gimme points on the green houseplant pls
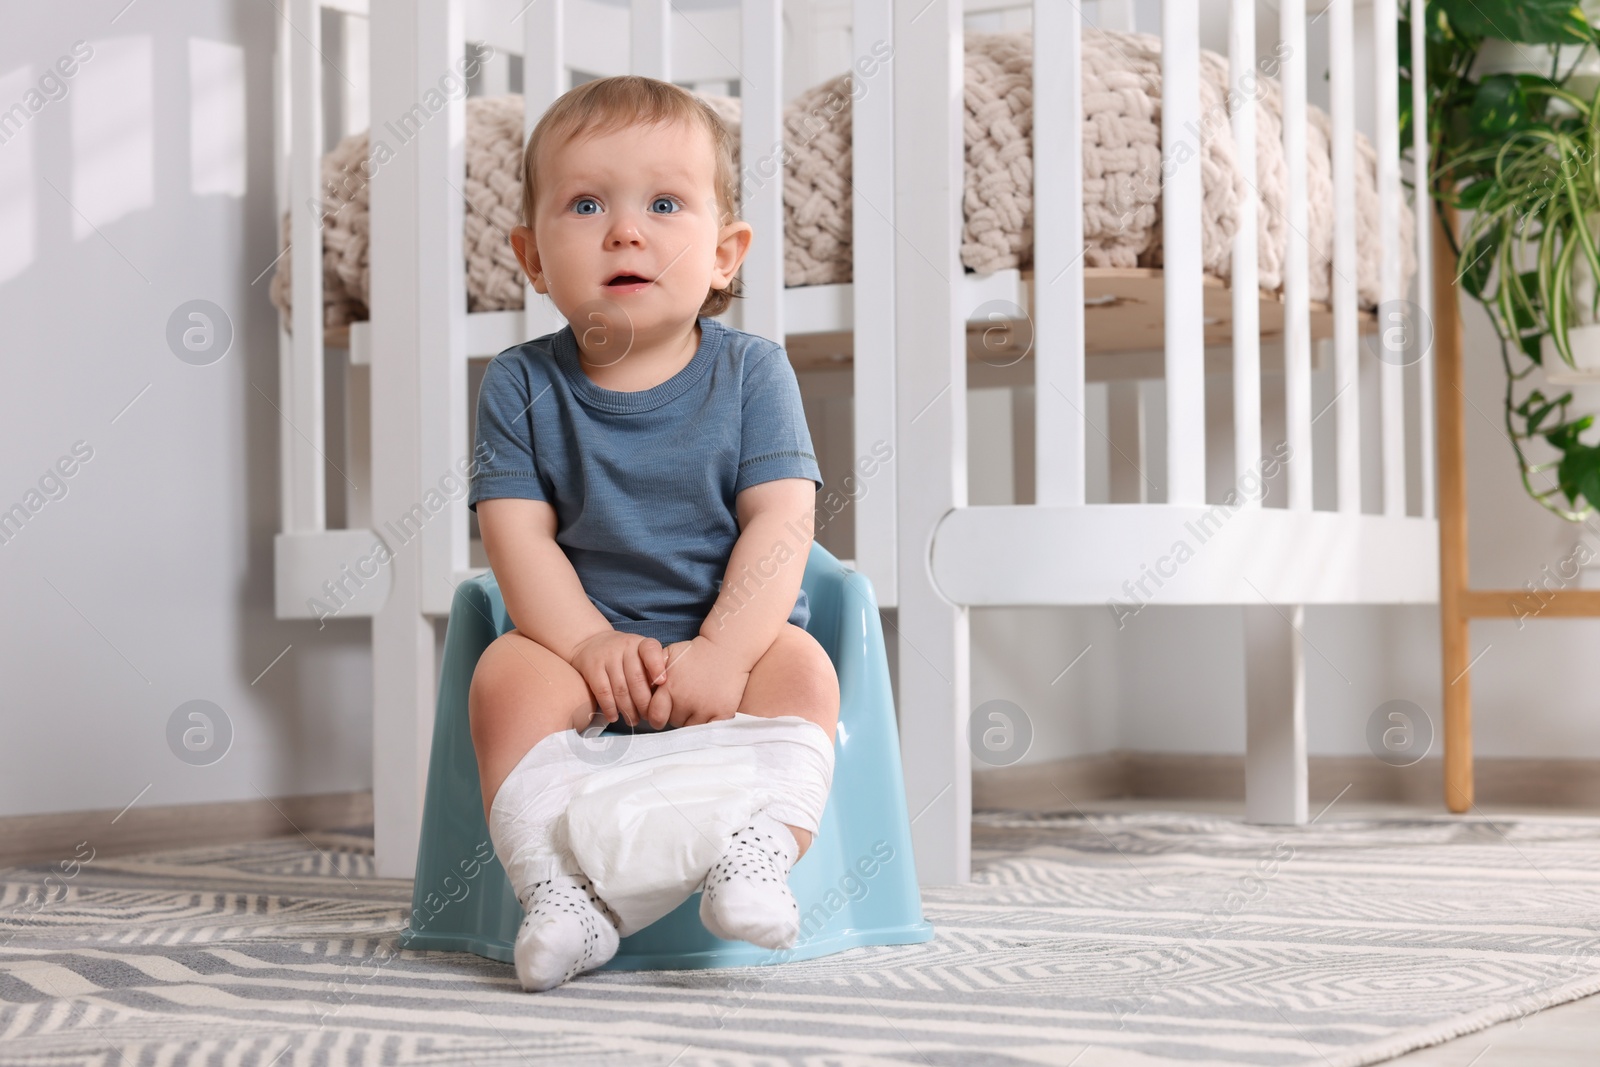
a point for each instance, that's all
(1520, 151)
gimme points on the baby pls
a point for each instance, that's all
(647, 506)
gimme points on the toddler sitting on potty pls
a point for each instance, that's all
(647, 509)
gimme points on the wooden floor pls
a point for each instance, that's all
(1556, 1037)
(1567, 1035)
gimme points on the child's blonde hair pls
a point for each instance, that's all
(609, 104)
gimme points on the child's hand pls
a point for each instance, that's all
(617, 667)
(702, 683)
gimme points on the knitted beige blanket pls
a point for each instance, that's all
(1121, 180)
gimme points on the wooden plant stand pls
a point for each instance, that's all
(1459, 603)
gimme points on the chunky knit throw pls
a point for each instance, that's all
(1121, 180)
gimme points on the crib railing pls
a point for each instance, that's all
(416, 346)
(1271, 560)
(323, 572)
(1062, 421)
(927, 552)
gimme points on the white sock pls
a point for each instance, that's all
(746, 896)
(567, 930)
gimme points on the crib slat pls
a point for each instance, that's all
(282, 177)
(440, 145)
(300, 379)
(872, 259)
(761, 165)
(650, 42)
(282, 127)
(1296, 290)
(1180, 235)
(1423, 210)
(1243, 79)
(544, 74)
(1391, 380)
(1058, 254)
(930, 357)
(403, 192)
(356, 98)
(1346, 341)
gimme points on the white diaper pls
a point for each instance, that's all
(646, 825)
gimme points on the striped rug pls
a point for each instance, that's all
(1140, 940)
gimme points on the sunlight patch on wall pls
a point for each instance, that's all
(113, 138)
(216, 118)
(16, 179)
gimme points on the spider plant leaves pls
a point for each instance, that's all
(1513, 306)
(1583, 207)
(1519, 156)
(1524, 306)
(1558, 304)
(1528, 21)
(1547, 261)
(1476, 264)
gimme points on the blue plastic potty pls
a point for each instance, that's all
(856, 885)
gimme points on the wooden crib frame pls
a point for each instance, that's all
(927, 552)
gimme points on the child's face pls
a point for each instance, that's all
(639, 201)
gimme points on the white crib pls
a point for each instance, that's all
(929, 554)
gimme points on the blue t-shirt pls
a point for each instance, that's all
(644, 483)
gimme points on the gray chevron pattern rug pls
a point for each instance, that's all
(1130, 940)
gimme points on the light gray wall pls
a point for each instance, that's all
(149, 583)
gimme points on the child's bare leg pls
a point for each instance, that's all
(521, 693)
(794, 677)
(746, 894)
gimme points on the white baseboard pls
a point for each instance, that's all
(56, 836)
(1055, 785)
(1051, 785)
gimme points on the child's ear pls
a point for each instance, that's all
(528, 255)
(733, 244)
